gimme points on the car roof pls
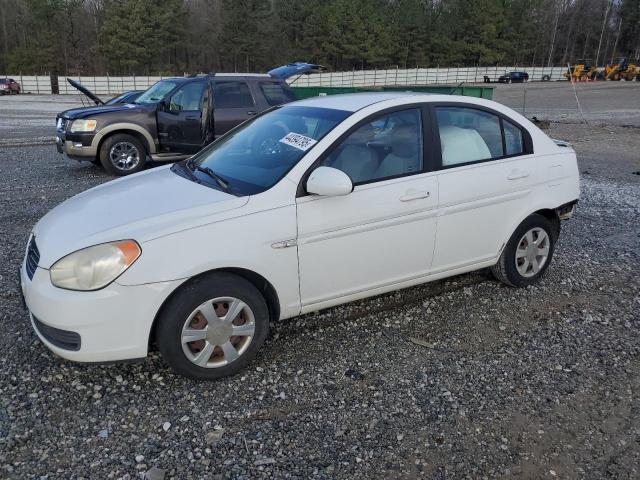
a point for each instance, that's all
(224, 75)
(352, 102)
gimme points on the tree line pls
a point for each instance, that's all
(143, 37)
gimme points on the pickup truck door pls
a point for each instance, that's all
(180, 126)
(233, 102)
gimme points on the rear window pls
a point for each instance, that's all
(513, 140)
(232, 94)
(276, 93)
(470, 135)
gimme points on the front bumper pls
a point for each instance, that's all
(78, 146)
(111, 324)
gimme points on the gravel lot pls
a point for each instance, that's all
(464, 378)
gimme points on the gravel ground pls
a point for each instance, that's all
(603, 103)
(463, 378)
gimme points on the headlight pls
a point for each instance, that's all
(94, 267)
(83, 126)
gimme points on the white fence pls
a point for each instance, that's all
(420, 76)
(357, 78)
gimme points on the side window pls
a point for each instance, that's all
(232, 94)
(386, 146)
(468, 135)
(512, 138)
(187, 97)
(275, 93)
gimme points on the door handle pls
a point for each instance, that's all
(251, 112)
(516, 174)
(413, 195)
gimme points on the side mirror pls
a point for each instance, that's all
(329, 182)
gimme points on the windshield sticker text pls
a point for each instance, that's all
(296, 140)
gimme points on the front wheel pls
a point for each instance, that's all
(122, 154)
(527, 254)
(213, 326)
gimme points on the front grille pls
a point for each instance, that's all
(60, 338)
(33, 257)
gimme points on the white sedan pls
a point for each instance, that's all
(309, 205)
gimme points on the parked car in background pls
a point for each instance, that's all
(312, 204)
(514, 77)
(8, 86)
(173, 119)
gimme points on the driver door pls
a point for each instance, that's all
(180, 119)
(382, 233)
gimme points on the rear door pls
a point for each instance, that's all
(180, 118)
(233, 102)
(485, 181)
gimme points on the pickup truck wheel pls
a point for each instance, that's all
(122, 154)
(527, 254)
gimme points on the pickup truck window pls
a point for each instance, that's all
(156, 92)
(255, 156)
(232, 94)
(275, 93)
(187, 98)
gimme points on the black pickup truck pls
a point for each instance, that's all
(173, 119)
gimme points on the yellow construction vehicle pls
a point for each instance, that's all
(581, 71)
(632, 71)
(622, 71)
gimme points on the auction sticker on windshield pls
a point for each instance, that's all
(296, 140)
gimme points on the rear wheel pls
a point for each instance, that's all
(527, 254)
(213, 326)
(122, 154)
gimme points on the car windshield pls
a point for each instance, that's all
(256, 155)
(2, 80)
(156, 92)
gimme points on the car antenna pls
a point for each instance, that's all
(575, 93)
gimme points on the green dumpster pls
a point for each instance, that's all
(466, 90)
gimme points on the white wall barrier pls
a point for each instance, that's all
(421, 76)
(111, 86)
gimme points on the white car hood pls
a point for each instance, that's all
(141, 207)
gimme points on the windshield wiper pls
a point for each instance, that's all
(219, 180)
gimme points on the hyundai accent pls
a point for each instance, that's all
(306, 206)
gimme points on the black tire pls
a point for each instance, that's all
(116, 140)
(187, 300)
(506, 271)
